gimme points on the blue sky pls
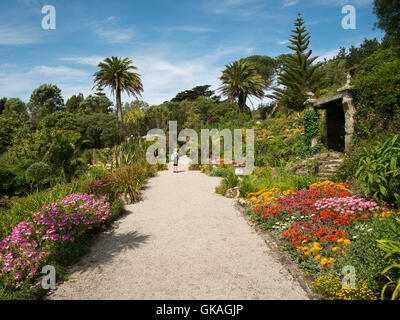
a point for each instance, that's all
(176, 44)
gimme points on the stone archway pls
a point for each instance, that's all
(338, 116)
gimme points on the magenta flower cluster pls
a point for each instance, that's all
(22, 251)
(352, 205)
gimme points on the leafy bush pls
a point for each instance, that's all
(57, 235)
(39, 174)
(392, 250)
(349, 166)
(377, 96)
(365, 255)
(195, 167)
(231, 180)
(379, 168)
(7, 177)
(129, 180)
(21, 209)
(97, 172)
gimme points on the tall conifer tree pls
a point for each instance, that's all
(299, 74)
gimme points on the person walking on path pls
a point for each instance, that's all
(175, 158)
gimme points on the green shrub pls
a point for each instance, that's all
(377, 96)
(364, 253)
(195, 167)
(349, 166)
(22, 209)
(39, 174)
(230, 181)
(392, 272)
(129, 180)
(379, 169)
(7, 181)
(98, 172)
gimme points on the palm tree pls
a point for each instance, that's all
(240, 80)
(117, 74)
(132, 120)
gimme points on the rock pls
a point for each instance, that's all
(233, 193)
(241, 202)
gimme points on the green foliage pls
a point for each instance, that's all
(272, 152)
(379, 169)
(119, 75)
(95, 104)
(299, 74)
(231, 180)
(388, 14)
(240, 80)
(348, 168)
(99, 130)
(392, 250)
(377, 96)
(59, 120)
(39, 174)
(45, 100)
(129, 180)
(312, 130)
(16, 105)
(268, 178)
(365, 255)
(376, 59)
(73, 103)
(63, 153)
(10, 123)
(335, 74)
(22, 209)
(7, 181)
(197, 92)
(2, 104)
(357, 54)
(266, 67)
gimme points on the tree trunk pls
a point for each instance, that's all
(120, 118)
(242, 102)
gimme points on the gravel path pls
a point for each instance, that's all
(182, 241)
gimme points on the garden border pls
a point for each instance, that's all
(283, 257)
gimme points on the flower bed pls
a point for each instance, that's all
(318, 223)
(32, 244)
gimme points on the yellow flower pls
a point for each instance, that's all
(334, 249)
(347, 241)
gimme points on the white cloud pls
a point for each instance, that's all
(238, 8)
(119, 35)
(17, 36)
(164, 74)
(22, 83)
(289, 3)
(111, 31)
(344, 2)
(91, 60)
(283, 42)
(185, 28)
(326, 55)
